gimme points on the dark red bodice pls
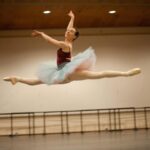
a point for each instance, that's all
(63, 57)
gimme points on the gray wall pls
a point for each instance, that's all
(21, 56)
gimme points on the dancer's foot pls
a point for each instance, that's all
(13, 80)
(133, 72)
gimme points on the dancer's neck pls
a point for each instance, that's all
(68, 41)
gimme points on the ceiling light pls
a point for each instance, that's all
(112, 12)
(46, 12)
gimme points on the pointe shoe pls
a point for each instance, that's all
(134, 72)
(13, 80)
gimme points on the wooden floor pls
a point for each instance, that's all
(123, 140)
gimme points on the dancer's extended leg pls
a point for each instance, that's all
(82, 75)
(28, 81)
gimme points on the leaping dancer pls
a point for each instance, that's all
(68, 68)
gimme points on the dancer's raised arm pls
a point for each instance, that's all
(49, 39)
(71, 23)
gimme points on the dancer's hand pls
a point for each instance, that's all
(36, 33)
(71, 14)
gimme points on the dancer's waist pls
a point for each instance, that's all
(60, 66)
(62, 61)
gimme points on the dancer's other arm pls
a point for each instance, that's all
(71, 22)
(49, 39)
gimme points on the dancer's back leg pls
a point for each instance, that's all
(28, 81)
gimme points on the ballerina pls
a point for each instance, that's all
(68, 68)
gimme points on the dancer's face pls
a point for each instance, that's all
(70, 33)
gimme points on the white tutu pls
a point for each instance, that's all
(51, 74)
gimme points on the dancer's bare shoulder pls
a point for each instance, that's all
(67, 48)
